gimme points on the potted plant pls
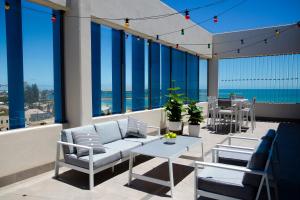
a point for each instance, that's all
(174, 108)
(195, 118)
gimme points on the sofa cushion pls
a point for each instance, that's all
(224, 182)
(143, 141)
(99, 160)
(257, 162)
(136, 128)
(109, 131)
(123, 123)
(122, 146)
(90, 139)
(270, 135)
(233, 158)
(66, 136)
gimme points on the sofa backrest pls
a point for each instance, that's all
(270, 135)
(66, 136)
(123, 123)
(109, 131)
(257, 162)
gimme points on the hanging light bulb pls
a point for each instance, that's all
(187, 15)
(242, 41)
(298, 24)
(266, 41)
(138, 38)
(53, 18)
(208, 46)
(216, 19)
(277, 33)
(148, 42)
(182, 31)
(126, 36)
(7, 5)
(238, 50)
(157, 37)
(126, 23)
(177, 45)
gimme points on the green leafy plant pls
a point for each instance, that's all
(170, 135)
(195, 113)
(174, 106)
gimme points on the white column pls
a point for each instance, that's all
(213, 73)
(77, 37)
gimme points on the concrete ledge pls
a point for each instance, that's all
(27, 148)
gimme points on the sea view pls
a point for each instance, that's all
(262, 96)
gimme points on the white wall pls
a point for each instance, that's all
(26, 148)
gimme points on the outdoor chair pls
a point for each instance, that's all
(231, 182)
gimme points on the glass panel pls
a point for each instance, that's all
(203, 80)
(271, 79)
(106, 71)
(192, 77)
(38, 64)
(179, 70)
(4, 107)
(128, 72)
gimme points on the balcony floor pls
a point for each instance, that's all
(73, 185)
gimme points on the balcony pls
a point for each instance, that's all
(69, 64)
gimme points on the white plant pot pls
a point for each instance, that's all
(175, 126)
(194, 130)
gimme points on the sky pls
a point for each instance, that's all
(249, 15)
(37, 33)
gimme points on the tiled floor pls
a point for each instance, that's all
(73, 185)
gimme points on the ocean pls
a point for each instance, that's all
(262, 96)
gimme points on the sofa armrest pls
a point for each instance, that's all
(155, 127)
(230, 167)
(242, 138)
(73, 145)
(235, 147)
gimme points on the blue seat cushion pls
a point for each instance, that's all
(109, 131)
(122, 146)
(257, 162)
(99, 160)
(224, 182)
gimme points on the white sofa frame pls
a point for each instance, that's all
(264, 173)
(91, 171)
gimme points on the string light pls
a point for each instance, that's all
(157, 37)
(242, 41)
(126, 36)
(208, 46)
(177, 45)
(7, 6)
(216, 19)
(187, 14)
(182, 31)
(126, 22)
(53, 18)
(138, 38)
(277, 33)
(266, 41)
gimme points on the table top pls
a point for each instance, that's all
(239, 100)
(159, 148)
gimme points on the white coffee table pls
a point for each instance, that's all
(160, 149)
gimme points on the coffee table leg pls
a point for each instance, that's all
(130, 168)
(171, 177)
